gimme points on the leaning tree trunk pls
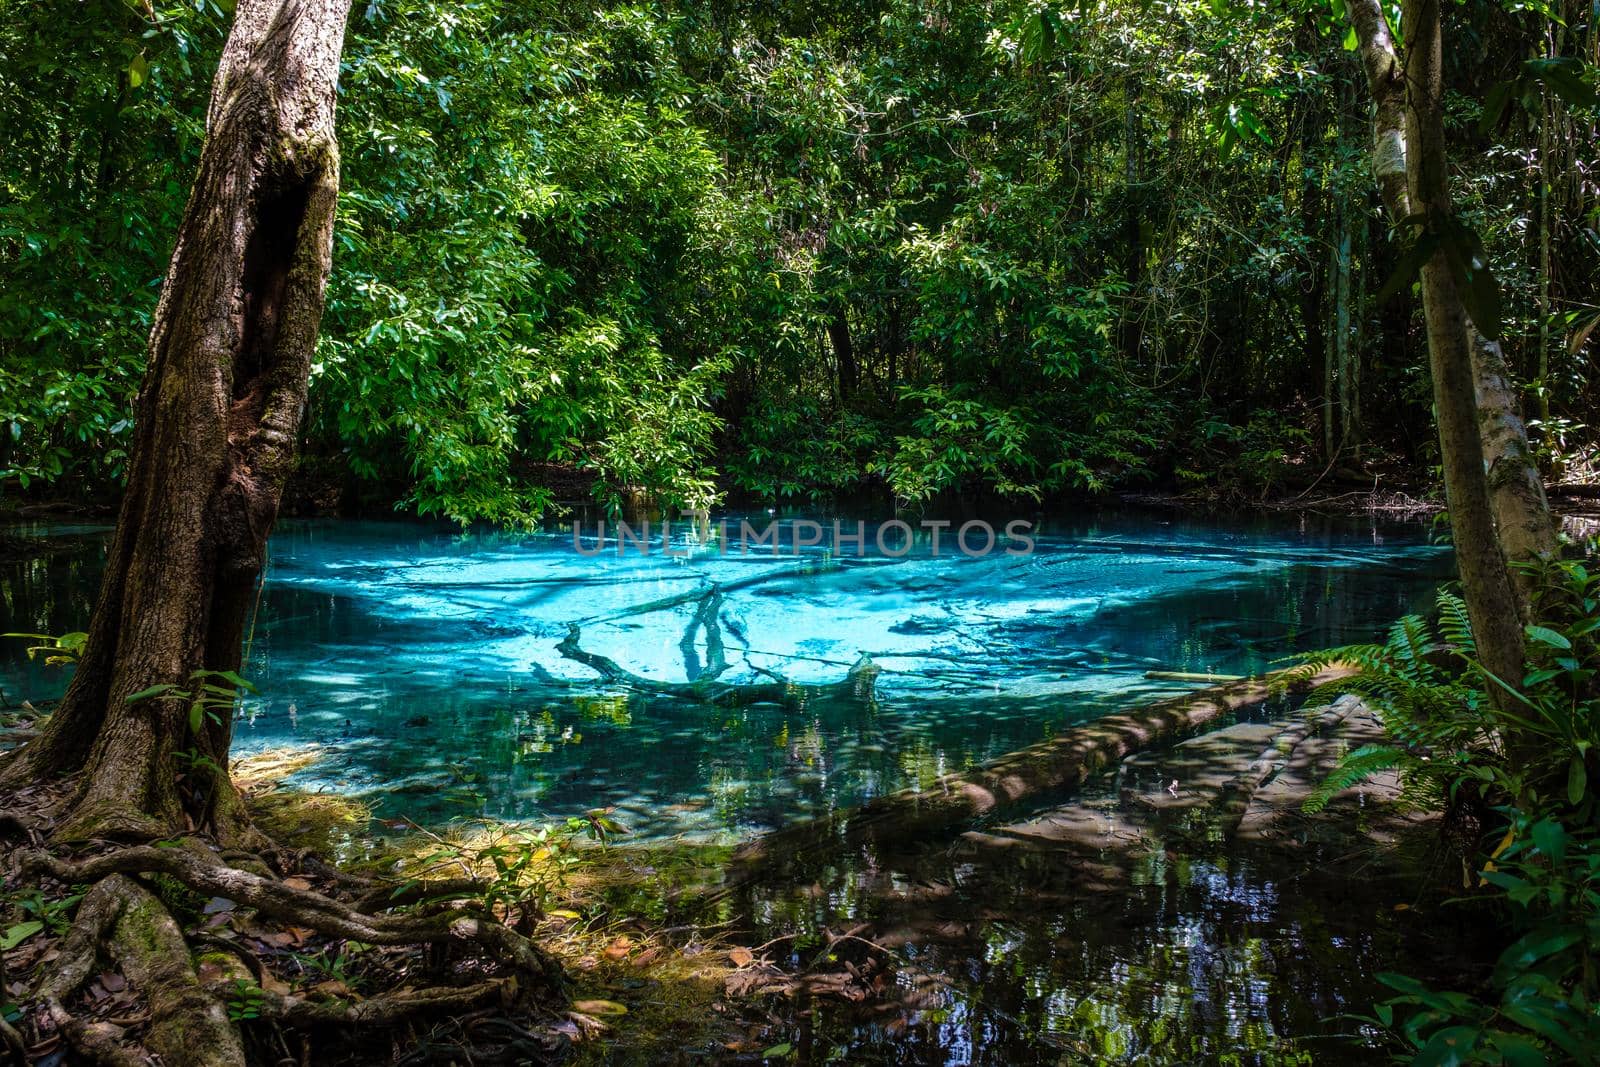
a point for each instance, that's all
(1408, 159)
(1516, 496)
(1487, 586)
(215, 433)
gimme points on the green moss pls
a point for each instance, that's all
(184, 903)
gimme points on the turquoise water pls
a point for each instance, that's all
(424, 665)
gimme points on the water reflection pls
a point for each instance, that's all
(1190, 952)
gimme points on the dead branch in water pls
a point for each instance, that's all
(704, 685)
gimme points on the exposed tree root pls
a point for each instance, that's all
(122, 921)
(386, 1009)
(13, 1042)
(124, 929)
(98, 1043)
(306, 907)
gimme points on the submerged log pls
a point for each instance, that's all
(956, 802)
(703, 685)
(1190, 676)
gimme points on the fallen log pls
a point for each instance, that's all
(1189, 676)
(1064, 762)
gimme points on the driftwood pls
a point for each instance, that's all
(704, 685)
(957, 801)
(706, 689)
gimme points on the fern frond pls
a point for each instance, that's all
(1357, 767)
(1409, 639)
(1454, 624)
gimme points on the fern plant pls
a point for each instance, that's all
(1420, 685)
(1536, 748)
(1531, 754)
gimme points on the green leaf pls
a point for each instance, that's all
(1541, 1023)
(1564, 76)
(1577, 781)
(19, 933)
(1469, 266)
(1409, 266)
(138, 71)
(1448, 1047)
(777, 1052)
(1546, 636)
(1551, 837)
(1495, 105)
(146, 694)
(1517, 1051)
(1535, 946)
(1404, 983)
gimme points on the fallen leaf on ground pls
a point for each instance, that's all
(599, 1007)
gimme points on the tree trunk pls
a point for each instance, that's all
(1355, 434)
(1408, 160)
(1341, 326)
(1542, 366)
(844, 352)
(1485, 579)
(1313, 295)
(1330, 342)
(216, 425)
(1409, 164)
(1516, 489)
(1131, 328)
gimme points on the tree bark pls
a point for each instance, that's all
(844, 352)
(215, 434)
(1516, 489)
(1408, 161)
(1485, 579)
(1330, 341)
(1341, 328)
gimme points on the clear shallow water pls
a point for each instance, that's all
(425, 664)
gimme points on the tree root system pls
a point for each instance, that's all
(198, 957)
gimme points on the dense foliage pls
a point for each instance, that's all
(1516, 761)
(803, 251)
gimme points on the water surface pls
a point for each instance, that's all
(425, 663)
